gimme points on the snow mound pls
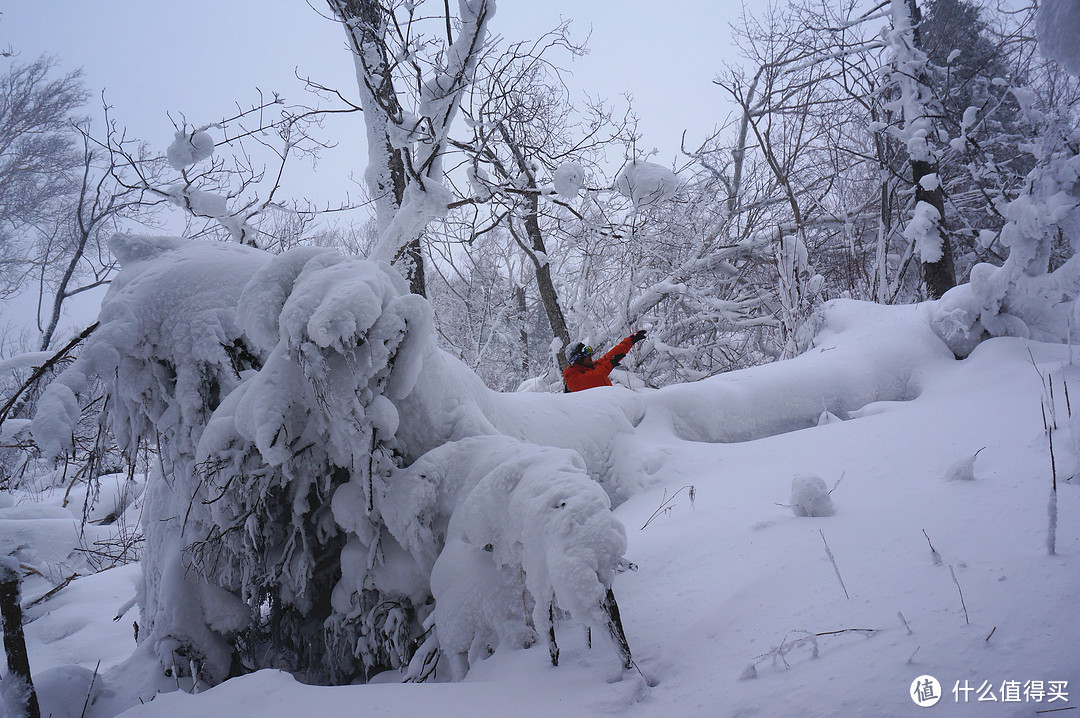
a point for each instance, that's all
(810, 496)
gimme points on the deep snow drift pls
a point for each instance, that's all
(736, 607)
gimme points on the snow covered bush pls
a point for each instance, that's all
(1026, 296)
(333, 491)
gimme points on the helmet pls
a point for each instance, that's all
(579, 352)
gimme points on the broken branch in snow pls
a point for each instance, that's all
(45, 366)
(785, 648)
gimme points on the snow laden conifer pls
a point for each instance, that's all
(335, 495)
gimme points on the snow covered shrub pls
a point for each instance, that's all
(1026, 296)
(810, 496)
(333, 491)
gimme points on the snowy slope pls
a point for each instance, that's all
(736, 580)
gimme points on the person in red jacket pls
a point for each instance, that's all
(584, 373)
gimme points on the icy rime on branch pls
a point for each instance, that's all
(335, 493)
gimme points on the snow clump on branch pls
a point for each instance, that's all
(189, 148)
(646, 183)
(568, 179)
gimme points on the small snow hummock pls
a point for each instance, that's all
(189, 148)
(963, 469)
(810, 496)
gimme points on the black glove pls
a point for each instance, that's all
(638, 336)
(616, 359)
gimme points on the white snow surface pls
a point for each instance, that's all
(731, 585)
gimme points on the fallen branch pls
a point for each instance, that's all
(51, 592)
(806, 638)
(40, 371)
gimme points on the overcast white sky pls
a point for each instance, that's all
(200, 57)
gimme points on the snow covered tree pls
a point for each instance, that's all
(531, 152)
(37, 153)
(915, 109)
(1035, 290)
(335, 495)
(411, 86)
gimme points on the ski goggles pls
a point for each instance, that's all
(581, 353)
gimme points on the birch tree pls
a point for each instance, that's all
(411, 85)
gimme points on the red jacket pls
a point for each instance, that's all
(579, 377)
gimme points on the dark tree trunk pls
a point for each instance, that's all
(548, 295)
(523, 328)
(939, 276)
(537, 251)
(14, 641)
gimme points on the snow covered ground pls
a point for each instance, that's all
(735, 608)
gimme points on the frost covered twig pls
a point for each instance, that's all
(903, 620)
(806, 638)
(666, 503)
(829, 553)
(1051, 506)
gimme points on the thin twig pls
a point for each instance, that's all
(666, 503)
(829, 553)
(962, 605)
(987, 639)
(933, 551)
(90, 691)
(903, 620)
